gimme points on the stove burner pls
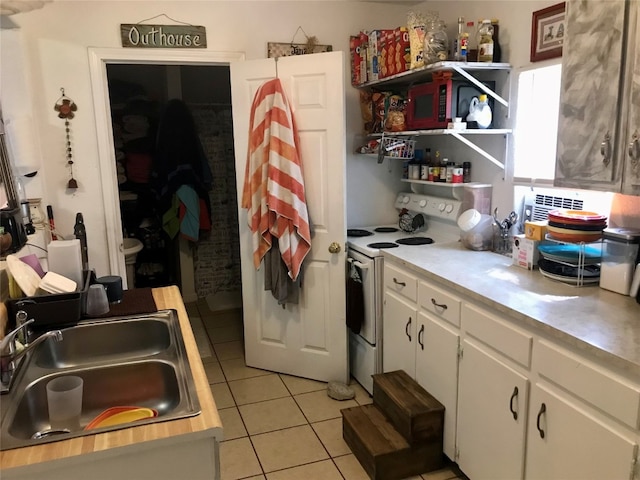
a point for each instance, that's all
(382, 245)
(415, 241)
(385, 229)
(356, 232)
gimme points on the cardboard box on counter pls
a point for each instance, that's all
(535, 230)
(525, 252)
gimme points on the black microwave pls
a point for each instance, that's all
(435, 104)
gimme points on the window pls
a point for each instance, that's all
(536, 126)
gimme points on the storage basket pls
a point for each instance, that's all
(398, 147)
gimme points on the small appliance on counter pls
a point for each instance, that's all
(619, 259)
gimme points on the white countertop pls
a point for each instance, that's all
(602, 323)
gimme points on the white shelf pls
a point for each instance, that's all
(448, 131)
(424, 73)
(437, 184)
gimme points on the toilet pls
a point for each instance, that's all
(130, 248)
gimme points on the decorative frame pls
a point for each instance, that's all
(275, 49)
(547, 32)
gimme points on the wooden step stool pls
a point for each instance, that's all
(400, 435)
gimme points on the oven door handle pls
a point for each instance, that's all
(358, 264)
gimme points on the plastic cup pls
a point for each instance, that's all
(97, 302)
(64, 398)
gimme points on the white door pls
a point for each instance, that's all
(308, 339)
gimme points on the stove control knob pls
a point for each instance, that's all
(405, 199)
(441, 207)
(422, 203)
(449, 208)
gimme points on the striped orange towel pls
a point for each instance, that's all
(273, 190)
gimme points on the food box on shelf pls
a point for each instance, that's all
(525, 252)
(535, 230)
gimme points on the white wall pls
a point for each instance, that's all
(48, 50)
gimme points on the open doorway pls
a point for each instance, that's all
(210, 268)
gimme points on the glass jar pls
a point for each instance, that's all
(436, 42)
(485, 41)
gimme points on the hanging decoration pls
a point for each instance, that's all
(275, 50)
(65, 108)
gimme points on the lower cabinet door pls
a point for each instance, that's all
(437, 371)
(492, 413)
(565, 442)
(399, 335)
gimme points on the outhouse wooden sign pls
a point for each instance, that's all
(163, 36)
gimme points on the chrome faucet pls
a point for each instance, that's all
(9, 353)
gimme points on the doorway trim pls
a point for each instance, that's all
(99, 58)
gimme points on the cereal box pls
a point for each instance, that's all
(402, 50)
(354, 49)
(364, 57)
(374, 53)
(390, 41)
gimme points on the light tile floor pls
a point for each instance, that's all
(276, 426)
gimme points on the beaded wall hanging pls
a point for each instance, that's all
(65, 108)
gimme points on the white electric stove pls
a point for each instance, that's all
(364, 250)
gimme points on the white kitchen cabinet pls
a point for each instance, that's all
(399, 334)
(599, 120)
(492, 408)
(437, 370)
(422, 341)
(567, 443)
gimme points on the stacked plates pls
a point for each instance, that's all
(576, 226)
(576, 260)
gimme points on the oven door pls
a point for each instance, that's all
(371, 271)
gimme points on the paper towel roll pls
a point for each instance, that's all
(65, 259)
(22, 141)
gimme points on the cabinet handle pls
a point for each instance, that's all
(634, 149)
(402, 284)
(543, 408)
(513, 397)
(420, 337)
(406, 329)
(605, 149)
(439, 305)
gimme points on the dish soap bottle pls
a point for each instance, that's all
(480, 112)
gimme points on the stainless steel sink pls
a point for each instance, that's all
(124, 361)
(103, 342)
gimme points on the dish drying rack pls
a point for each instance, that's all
(579, 264)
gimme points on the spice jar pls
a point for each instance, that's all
(619, 258)
(436, 42)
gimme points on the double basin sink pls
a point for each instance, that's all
(128, 361)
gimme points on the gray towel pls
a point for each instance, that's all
(277, 279)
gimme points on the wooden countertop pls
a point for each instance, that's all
(206, 424)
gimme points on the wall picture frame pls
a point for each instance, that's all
(548, 28)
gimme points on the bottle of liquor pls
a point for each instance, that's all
(472, 47)
(485, 41)
(457, 44)
(497, 50)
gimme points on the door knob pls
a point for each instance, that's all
(334, 247)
